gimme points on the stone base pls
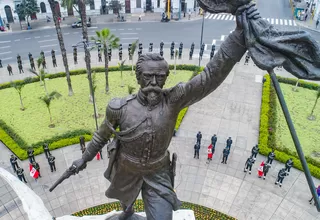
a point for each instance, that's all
(177, 215)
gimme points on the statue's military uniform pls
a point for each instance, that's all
(142, 159)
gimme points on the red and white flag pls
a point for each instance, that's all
(33, 172)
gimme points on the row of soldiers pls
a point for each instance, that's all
(20, 171)
(32, 64)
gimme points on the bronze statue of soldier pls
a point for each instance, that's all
(139, 159)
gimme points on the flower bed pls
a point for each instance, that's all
(274, 132)
(72, 115)
(200, 212)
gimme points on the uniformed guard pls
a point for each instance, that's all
(82, 144)
(99, 56)
(281, 175)
(31, 155)
(271, 157)
(37, 167)
(229, 142)
(213, 48)
(33, 67)
(20, 68)
(9, 68)
(1, 63)
(199, 136)
(109, 53)
(196, 150)
(225, 153)
(180, 50)
(255, 151)
(191, 51)
(20, 174)
(54, 60)
(52, 163)
(75, 55)
(289, 164)
(46, 149)
(18, 59)
(248, 164)
(14, 162)
(44, 64)
(214, 140)
(30, 56)
(42, 54)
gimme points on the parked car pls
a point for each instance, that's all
(78, 24)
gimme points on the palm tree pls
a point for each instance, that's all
(61, 43)
(311, 116)
(105, 38)
(132, 51)
(41, 74)
(47, 100)
(295, 89)
(121, 66)
(19, 88)
(175, 60)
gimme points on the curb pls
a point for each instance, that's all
(307, 27)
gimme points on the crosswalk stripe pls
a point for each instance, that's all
(219, 16)
(205, 46)
(290, 23)
(234, 18)
(231, 17)
(214, 17)
(281, 22)
(268, 19)
(214, 42)
(222, 37)
(222, 18)
(276, 21)
(294, 23)
(272, 21)
(285, 22)
(208, 15)
(211, 16)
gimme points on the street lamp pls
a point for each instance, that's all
(87, 47)
(201, 35)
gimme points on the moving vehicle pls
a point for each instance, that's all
(78, 24)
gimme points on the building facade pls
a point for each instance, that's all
(97, 7)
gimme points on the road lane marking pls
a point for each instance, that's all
(285, 22)
(215, 16)
(138, 29)
(121, 29)
(205, 46)
(8, 58)
(75, 32)
(5, 47)
(3, 42)
(41, 41)
(28, 38)
(5, 52)
(66, 33)
(130, 38)
(268, 19)
(130, 29)
(46, 35)
(208, 15)
(276, 21)
(51, 45)
(219, 16)
(290, 23)
(272, 21)
(127, 33)
(213, 42)
(294, 23)
(47, 51)
(222, 37)
(281, 23)
(37, 37)
(17, 40)
(222, 18)
(231, 17)
(112, 29)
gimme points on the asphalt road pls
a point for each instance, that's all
(215, 31)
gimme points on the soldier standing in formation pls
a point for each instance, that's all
(20, 67)
(37, 167)
(20, 174)
(214, 140)
(31, 155)
(46, 150)
(271, 157)
(248, 164)
(281, 175)
(1, 64)
(54, 60)
(99, 56)
(196, 150)
(32, 64)
(226, 153)
(42, 54)
(254, 152)
(289, 164)
(14, 163)
(30, 56)
(75, 55)
(229, 142)
(9, 68)
(199, 136)
(44, 64)
(82, 144)
(51, 161)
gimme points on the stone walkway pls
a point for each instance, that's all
(232, 110)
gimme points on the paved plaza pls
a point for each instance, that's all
(232, 110)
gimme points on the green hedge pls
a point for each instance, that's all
(200, 212)
(268, 118)
(19, 147)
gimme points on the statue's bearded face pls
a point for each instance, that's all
(222, 6)
(153, 77)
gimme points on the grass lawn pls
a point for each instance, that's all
(300, 105)
(69, 113)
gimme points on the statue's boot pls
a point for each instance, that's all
(127, 214)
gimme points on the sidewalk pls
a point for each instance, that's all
(232, 110)
(309, 24)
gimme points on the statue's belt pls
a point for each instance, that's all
(142, 165)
